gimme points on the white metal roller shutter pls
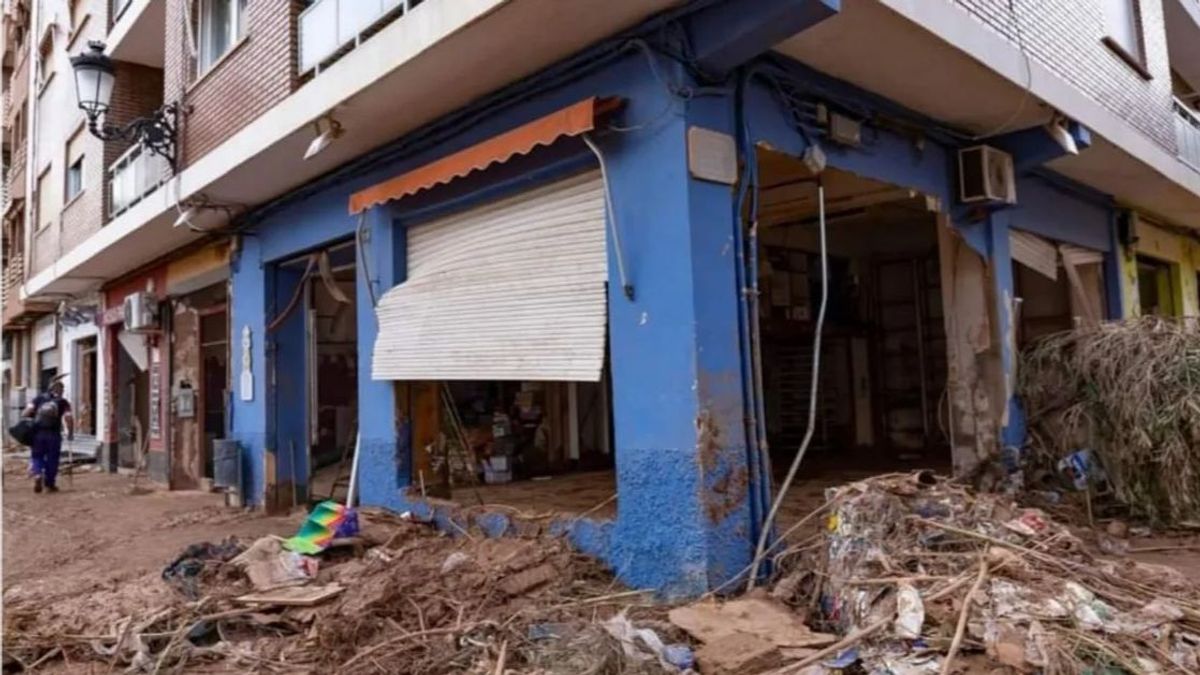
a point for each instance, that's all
(512, 290)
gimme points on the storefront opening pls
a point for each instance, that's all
(883, 362)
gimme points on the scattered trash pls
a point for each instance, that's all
(910, 612)
(924, 558)
(639, 644)
(454, 561)
(268, 565)
(546, 605)
(329, 520)
(184, 570)
(680, 656)
(1082, 470)
(763, 617)
(843, 660)
(1031, 523)
(299, 596)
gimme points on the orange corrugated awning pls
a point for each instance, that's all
(570, 121)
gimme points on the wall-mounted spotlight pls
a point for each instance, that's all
(327, 130)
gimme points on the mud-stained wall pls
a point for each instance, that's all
(976, 382)
(188, 454)
(187, 465)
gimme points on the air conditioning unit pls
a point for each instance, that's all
(985, 174)
(140, 312)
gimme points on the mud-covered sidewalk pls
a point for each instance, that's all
(85, 591)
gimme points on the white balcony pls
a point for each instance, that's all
(134, 175)
(137, 34)
(1187, 134)
(330, 26)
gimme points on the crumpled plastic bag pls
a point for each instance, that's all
(269, 566)
(181, 574)
(641, 644)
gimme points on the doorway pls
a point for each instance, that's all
(214, 379)
(882, 368)
(132, 397)
(313, 342)
(332, 329)
(87, 393)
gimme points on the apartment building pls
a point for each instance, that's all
(590, 241)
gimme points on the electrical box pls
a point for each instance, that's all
(986, 174)
(845, 130)
(185, 400)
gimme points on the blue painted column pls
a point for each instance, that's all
(683, 523)
(248, 421)
(1012, 427)
(384, 466)
(287, 402)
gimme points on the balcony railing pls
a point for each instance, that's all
(14, 276)
(134, 175)
(1187, 134)
(328, 27)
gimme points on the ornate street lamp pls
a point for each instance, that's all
(94, 79)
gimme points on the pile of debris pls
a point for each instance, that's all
(921, 576)
(399, 594)
(1130, 391)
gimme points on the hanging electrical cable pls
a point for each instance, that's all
(626, 286)
(362, 256)
(296, 295)
(765, 534)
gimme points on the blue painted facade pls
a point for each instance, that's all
(692, 481)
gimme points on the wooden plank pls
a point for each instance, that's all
(425, 404)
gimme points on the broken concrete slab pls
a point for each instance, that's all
(299, 596)
(764, 617)
(736, 653)
(527, 580)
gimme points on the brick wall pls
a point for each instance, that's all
(254, 76)
(137, 92)
(1065, 36)
(84, 215)
(73, 221)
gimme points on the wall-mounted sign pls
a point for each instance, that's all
(247, 379)
(155, 394)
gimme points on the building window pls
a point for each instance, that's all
(47, 199)
(79, 12)
(1156, 288)
(221, 24)
(74, 179)
(1123, 32)
(45, 64)
(18, 129)
(73, 184)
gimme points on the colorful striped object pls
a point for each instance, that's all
(329, 520)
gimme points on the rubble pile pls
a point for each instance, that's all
(915, 572)
(1127, 390)
(400, 597)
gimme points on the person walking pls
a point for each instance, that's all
(50, 413)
